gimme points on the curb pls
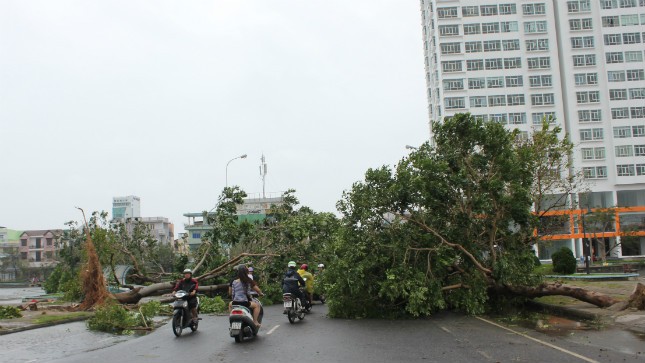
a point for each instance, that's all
(572, 312)
(44, 325)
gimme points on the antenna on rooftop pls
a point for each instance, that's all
(263, 173)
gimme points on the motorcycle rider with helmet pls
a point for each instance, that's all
(291, 283)
(191, 286)
(309, 282)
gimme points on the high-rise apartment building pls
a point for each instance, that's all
(580, 62)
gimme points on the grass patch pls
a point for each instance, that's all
(545, 269)
(557, 300)
(44, 319)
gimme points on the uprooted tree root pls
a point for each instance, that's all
(94, 289)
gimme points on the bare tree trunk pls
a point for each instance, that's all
(550, 289)
(135, 295)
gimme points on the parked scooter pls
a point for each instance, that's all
(182, 318)
(241, 321)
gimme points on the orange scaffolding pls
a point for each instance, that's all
(573, 213)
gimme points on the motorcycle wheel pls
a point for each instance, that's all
(322, 299)
(193, 326)
(176, 325)
(239, 337)
(307, 308)
(291, 315)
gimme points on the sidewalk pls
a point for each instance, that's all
(630, 319)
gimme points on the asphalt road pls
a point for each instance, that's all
(443, 338)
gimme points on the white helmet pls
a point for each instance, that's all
(188, 271)
(321, 266)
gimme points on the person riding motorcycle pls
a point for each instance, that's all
(191, 286)
(239, 290)
(292, 281)
(309, 281)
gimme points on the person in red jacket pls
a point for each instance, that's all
(191, 286)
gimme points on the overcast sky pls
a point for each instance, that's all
(152, 98)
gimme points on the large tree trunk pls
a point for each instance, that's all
(135, 295)
(637, 299)
(550, 289)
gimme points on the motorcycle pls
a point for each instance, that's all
(241, 321)
(319, 297)
(293, 307)
(181, 316)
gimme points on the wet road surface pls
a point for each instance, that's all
(444, 338)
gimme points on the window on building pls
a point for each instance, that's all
(587, 24)
(450, 48)
(447, 12)
(616, 76)
(517, 118)
(495, 82)
(539, 117)
(640, 169)
(633, 56)
(612, 39)
(492, 45)
(454, 102)
(627, 3)
(534, 45)
(609, 4)
(578, 6)
(511, 44)
(625, 170)
(512, 63)
(535, 27)
(630, 19)
(635, 74)
(622, 132)
(637, 112)
(474, 65)
(583, 79)
(507, 9)
(619, 113)
(575, 24)
(470, 29)
(509, 26)
(478, 101)
(617, 94)
(23, 242)
(614, 57)
(623, 151)
(476, 83)
(448, 30)
(638, 131)
(515, 100)
(197, 235)
(473, 47)
(539, 63)
(610, 21)
(593, 153)
(534, 9)
(631, 38)
(490, 28)
(453, 84)
(588, 97)
(452, 66)
(589, 116)
(497, 100)
(494, 63)
(499, 118)
(637, 93)
(542, 99)
(488, 10)
(514, 81)
(467, 11)
(639, 150)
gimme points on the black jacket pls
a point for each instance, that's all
(292, 281)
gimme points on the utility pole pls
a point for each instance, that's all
(263, 173)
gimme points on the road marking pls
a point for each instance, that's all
(540, 341)
(445, 329)
(273, 329)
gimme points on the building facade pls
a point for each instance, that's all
(39, 247)
(126, 207)
(578, 62)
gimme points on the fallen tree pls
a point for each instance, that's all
(452, 225)
(135, 295)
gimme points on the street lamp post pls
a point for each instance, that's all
(239, 157)
(587, 245)
(410, 147)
